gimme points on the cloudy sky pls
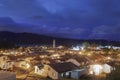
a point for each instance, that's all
(79, 19)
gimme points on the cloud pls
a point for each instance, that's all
(75, 18)
(106, 32)
(21, 9)
(84, 11)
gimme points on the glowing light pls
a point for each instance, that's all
(27, 65)
(77, 48)
(108, 57)
(82, 48)
(97, 69)
(55, 56)
(80, 52)
(89, 54)
(91, 72)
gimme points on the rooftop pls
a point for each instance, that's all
(63, 67)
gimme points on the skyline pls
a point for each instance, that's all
(77, 19)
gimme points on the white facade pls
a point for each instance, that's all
(98, 69)
(38, 70)
(5, 63)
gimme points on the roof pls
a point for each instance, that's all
(63, 67)
(6, 75)
(111, 63)
(12, 57)
(40, 66)
(96, 57)
(80, 58)
(2, 55)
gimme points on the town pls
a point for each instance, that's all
(59, 39)
(83, 62)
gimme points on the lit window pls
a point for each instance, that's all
(3, 65)
(53, 74)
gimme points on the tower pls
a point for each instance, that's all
(54, 43)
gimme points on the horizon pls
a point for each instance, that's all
(59, 37)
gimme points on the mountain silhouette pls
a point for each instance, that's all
(36, 39)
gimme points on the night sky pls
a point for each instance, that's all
(78, 19)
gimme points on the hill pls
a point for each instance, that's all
(35, 39)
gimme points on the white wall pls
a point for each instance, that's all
(51, 72)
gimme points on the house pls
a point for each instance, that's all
(39, 69)
(97, 69)
(79, 60)
(22, 64)
(58, 71)
(5, 63)
(96, 58)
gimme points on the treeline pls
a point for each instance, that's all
(7, 45)
(11, 38)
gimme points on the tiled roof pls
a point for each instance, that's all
(63, 67)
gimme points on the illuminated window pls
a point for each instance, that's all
(3, 65)
(53, 74)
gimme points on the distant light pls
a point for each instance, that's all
(55, 56)
(77, 48)
(91, 72)
(89, 54)
(80, 52)
(82, 48)
(108, 57)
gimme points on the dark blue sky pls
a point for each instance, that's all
(82, 19)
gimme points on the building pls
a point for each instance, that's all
(39, 69)
(79, 60)
(58, 71)
(96, 58)
(5, 63)
(22, 64)
(97, 69)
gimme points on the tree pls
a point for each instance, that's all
(115, 75)
(6, 45)
(85, 45)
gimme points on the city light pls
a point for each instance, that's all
(77, 48)
(27, 66)
(55, 56)
(108, 57)
(89, 54)
(97, 69)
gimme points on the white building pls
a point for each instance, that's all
(63, 70)
(5, 63)
(39, 69)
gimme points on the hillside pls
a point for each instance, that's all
(32, 39)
